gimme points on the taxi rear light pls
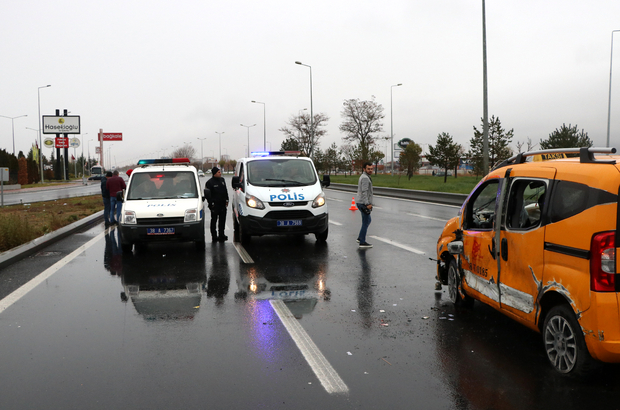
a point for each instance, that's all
(603, 262)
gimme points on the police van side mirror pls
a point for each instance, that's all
(326, 181)
(235, 182)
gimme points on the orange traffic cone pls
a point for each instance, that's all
(353, 206)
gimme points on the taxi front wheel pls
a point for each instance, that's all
(454, 287)
(564, 342)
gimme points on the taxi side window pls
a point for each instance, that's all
(569, 199)
(481, 207)
(525, 203)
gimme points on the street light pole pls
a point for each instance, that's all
(13, 127)
(202, 158)
(264, 125)
(220, 134)
(392, 125)
(83, 160)
(609, 104)
(311, 110)
(485, 100)
(40, 126)
(89, 174)
(248, 127)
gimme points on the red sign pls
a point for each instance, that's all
(112, 136)
(62, 142)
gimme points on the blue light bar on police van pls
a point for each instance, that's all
(268, 153)
(164, 161)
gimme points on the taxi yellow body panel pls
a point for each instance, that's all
(526, 236)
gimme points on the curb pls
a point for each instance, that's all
(426, 196)
(13, 255)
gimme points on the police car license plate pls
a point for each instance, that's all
(160, 231)
(292, 222)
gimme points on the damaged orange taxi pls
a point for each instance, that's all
(537, 241)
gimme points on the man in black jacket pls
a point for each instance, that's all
(105, 194)
(217, 204)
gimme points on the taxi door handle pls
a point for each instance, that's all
(504, 249)
(492, 250)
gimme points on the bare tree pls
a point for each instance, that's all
(361, 120)
(186, 151)
(528, 144)
(299, 129)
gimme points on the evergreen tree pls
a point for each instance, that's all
(289, 144)
(499, 146)
(331, 158)
(410, 158)
(445, 154)
(567, 137)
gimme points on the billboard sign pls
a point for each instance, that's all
(48, 142)
(62, 142)
(74, 142)
(61, 125)
(404, 142)
(112, 136)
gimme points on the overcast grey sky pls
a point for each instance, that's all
(165, 73)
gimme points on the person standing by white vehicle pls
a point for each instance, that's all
(363, 200)
(218, 203)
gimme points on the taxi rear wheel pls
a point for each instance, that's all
(454, 287)
(564, 342)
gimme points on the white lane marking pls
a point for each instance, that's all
(428, 217)
(399, 245)
(335, 199)
(245, 256)
(335, 223)
(326, 374)
(17, 294)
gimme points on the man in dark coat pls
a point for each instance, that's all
(105, 194)
(115, 184)
(217, 204)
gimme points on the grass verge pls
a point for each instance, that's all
(22, 223)
(459, 185)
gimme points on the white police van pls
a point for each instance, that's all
(162, 202)
(278, 193)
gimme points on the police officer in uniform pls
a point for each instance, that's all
(217, 204)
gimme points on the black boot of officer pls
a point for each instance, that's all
(218, 204)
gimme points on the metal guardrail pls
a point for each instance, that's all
(426, 196)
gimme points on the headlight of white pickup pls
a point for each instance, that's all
(254, 202)
(191, 215)
(130, 218)
(319, 200)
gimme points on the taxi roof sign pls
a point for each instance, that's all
(548, 157)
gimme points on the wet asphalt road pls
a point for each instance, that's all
(167, 327)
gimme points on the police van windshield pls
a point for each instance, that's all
(281, 172)
(162, 185)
